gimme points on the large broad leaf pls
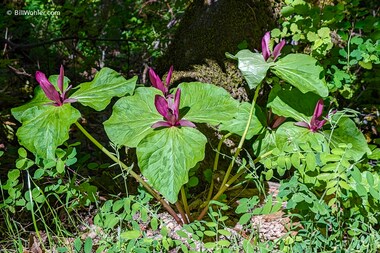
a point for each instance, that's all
(46, 127)
(132, 117)
(290, 102)
(238, 123)
(301, 71)
(264, 143)
(253, 67)
(39, 97)
(166, 155)
(207, 103)
(291, 137)
(347, 132)
(107, 84)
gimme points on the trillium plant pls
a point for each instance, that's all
(315, 123)
(161, 122)
(266, 52)
(169, 109)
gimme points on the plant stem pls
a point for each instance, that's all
(132, 173)
(230, 182)
(216, 162)
(186, 206)
(226, 184)
(183, 214)
(32, 211)
(240, 146)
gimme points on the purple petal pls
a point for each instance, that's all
(161, 124)
(64, 93)
(60, 79)
(69, 100)
(318, 109)
(265, 45)
(320, 123)
(161, 105)
(277, 49)
(156, 81)
(49, 90)
(186, 123)
(169, 76)
(177, 99)
(278, 120)
(302, 124)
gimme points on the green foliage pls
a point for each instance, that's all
(167, 151)
(249, 208)
(107, 84)
(325, 166)
(305, 76)
(45, 126)
(345, 37)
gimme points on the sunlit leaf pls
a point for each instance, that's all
(253, 67)
(238, 123)
(46, 127)
(166, 155)
(207, 103)
(107, 84)
(132, 117)
(301, 71)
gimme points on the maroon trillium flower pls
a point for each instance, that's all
(157, 83)
(169, 109)
(273, 120)
(58, 97)
(265, 47)
(315, 122)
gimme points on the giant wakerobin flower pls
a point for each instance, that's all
(169, 109)
(315, 122)
(157, 83)
(58, 98)
(266, 50)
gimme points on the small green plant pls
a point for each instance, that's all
(344, 37)
(319, 147)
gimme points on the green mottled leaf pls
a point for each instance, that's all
(39, 98)
(207, 103)
(107, 84)
(166, 155)
(301, 71)
(290, 134)
(347, 132)
(238, 123)
(282, 102)
(253, 67)
(132, 117)
(46, 127)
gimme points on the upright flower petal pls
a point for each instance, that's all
(161, 106)
(265, 46)
(60, 79)
(169, 76)
(277, 49)
(156, 81)
(48, 88)
(318, 109)
(177, 99)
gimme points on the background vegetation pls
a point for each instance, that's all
(88, 198)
